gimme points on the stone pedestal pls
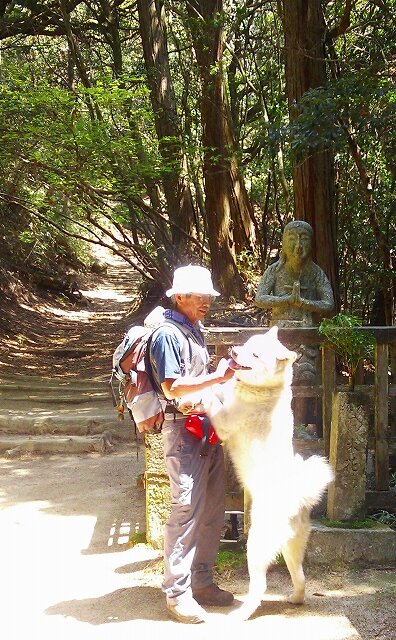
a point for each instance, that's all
(305, 410)
(348, 440)
(365, 547)
(157, 491)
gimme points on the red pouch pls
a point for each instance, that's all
(200, 426)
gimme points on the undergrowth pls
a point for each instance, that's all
(365, 523)
(139, 537)
(228, 561)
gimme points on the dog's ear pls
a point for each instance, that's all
(286, 354)
(281, 352)
(273, 332)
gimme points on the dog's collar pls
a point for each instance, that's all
(256, 389)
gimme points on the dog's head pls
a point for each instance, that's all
(263, 361)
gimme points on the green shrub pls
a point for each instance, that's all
(351, 345)
(384, 517)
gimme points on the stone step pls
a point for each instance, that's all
(59, 411)
(79, 421)
(21, 383)
(11, 401)
(23, 396)
(13, 446)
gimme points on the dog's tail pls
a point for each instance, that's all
(314, 474)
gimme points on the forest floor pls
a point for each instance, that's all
(67, 567)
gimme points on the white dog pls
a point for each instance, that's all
(254, 419)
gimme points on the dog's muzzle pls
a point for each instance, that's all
(233, 361)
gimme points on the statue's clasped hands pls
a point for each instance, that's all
(295, 296)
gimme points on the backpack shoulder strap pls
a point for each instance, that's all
(180, 331)
(186, 334)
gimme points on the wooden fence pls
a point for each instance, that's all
(381, 392)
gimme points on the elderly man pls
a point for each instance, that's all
(197, 481)
(295, 288)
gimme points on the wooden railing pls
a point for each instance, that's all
(380, 392)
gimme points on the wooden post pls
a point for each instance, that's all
(328, 381)
(381, 418)
(393, 400)
(221, 351)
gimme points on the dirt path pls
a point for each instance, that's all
(67, 570)
(54, 338)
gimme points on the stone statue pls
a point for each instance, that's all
(298, 293)
(295, 288)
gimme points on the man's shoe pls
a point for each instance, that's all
(213, 596)
(189, 612)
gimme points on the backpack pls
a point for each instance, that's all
(132, 369)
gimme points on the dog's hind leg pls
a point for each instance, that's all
(257, 567)
(293, 553)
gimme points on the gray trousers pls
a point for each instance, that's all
(192, 532)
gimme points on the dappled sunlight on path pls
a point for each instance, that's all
(56, 338)
(71, 574)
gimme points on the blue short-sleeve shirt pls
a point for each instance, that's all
(165, 353)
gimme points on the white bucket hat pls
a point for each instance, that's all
(192, 279)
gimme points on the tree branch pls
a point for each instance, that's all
(345, 21)
(95, 240)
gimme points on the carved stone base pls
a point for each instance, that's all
(305, 410)
(157, 491)
(349, 429)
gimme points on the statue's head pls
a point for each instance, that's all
(297, 241)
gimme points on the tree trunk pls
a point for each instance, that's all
(177, 191)
(229, 212)
(313, 178)
(380, 237)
